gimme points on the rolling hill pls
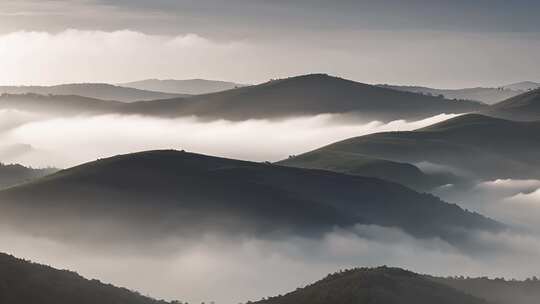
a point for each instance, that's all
(90, 90)
(393, 285)
(523, 86)
(13, 174)
(23, 282)
(474, 145)
(162, 193)
(58, 104)
(375, 285)
(485, 95)
(357, 164)
(188, 86)
(524, 107)
(306, 95)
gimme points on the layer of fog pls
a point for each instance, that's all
(232, 269)
(63, 142)
(515, 202)
(228, 270)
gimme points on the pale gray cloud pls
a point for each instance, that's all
(431, 58)
(230, 270)
(437, 43)
(54, 139)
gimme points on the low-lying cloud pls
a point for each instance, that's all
(418, 57)
(64, 142)
(228, 269)
(516, 202)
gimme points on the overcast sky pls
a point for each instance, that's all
(437, 43)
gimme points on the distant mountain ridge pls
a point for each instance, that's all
(483, 94)
(101, 91)
(58, 104)
(306, 95)
(523, 86)
(177, 193)
(23, 282)
(187, 86)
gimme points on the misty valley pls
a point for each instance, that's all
(269, 152)
(248, 193)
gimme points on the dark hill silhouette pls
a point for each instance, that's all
(358, 164)
(483, 146)
(375, 285)
(14, 174)
(159, 193)
(524, 107)
(306, 95)
(57, 104)
(23, 282)
(187, 86)
(101, 91)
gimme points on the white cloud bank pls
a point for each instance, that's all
(94, 56)
(512, 201)
(64, 142)
(426, 58)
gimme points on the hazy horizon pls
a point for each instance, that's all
(435, 44)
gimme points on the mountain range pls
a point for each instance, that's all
(179, 193)
(101, 91)
(291, 97)
(306, 95)
(188, 86)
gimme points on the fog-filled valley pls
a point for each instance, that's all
(269, 152)
(46, 140)
(175, 224)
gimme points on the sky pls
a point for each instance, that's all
(445, 44)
